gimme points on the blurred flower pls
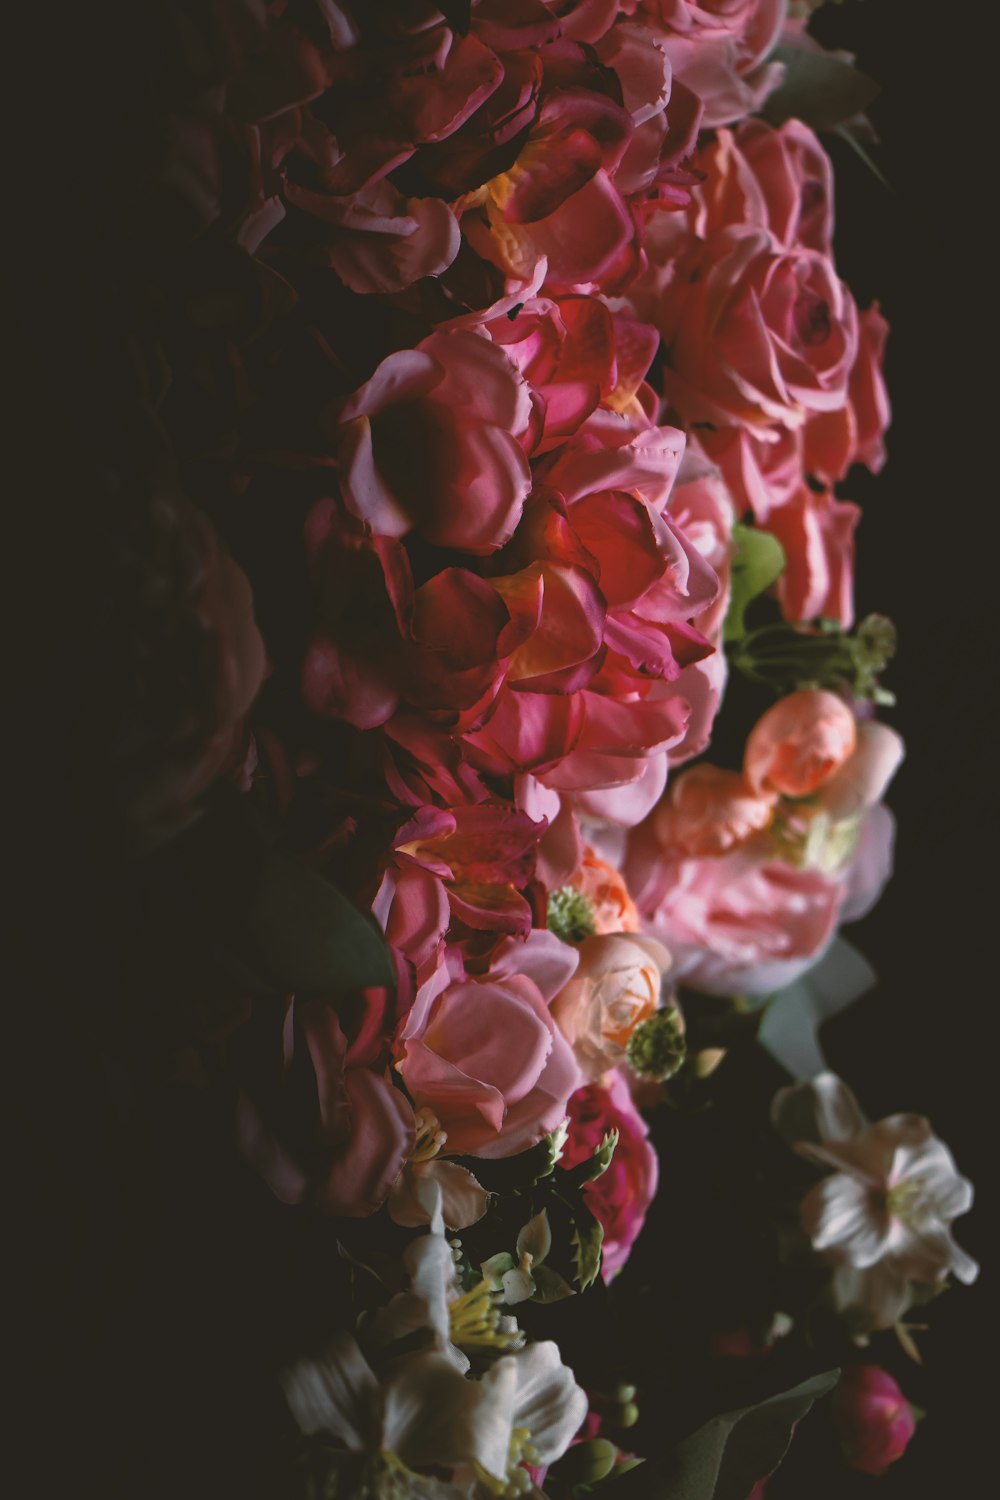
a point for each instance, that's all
(883, 1217)
(873, 1418)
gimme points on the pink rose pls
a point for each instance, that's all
(873, 1419)
(718, 48)
(799, 743)
(616, 986)
(779, 180)
(485, 1054)
(756, 334)
(431, 444)
(833, 441)
(620, 1197)
(816, 532)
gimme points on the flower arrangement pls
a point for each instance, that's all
(488, 750)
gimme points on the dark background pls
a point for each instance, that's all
(111, 1416)
(923, 1040)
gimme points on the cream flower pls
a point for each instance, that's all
(883, 1217)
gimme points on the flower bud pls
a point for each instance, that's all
(873, 1419)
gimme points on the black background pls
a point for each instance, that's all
(924, 1041)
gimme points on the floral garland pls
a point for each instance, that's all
(503, 382)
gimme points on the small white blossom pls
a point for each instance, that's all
(883, 1217)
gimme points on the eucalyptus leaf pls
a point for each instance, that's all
(789, 1030)
(725, 1459)
(823, 89)
(758, 561)
(307, 936)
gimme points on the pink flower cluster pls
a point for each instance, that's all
(605, 326)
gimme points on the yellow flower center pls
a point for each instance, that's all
(430, 1137)
(474, 1320)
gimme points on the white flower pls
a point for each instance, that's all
(883, 1218)
(425, 1414)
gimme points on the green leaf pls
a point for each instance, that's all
(307, 936)
(824, 89)
(759, 560)
(789, 1030)
(549, 1285)
(587, 1237)
(586, 1171)
(724, 1459)
(515, 1174)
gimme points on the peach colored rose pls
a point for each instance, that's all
(799, 743)
(616, 985)
(708, 810)
(605, 890)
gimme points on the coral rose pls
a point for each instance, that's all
(798, 743)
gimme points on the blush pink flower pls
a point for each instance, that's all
(485, 1054)
(719, 50)
(431, 443)
(799, 743)
(745, 921)
(620, 1197)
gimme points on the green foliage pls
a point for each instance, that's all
(587, 1171)
(724, 1459)
(824, 89)
(587, 1236)
(306, 936)
(789, 1028)
(757, 562)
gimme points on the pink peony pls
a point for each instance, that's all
(484, 1053)
(741, 922)
(873, 1418)
(620, 1197)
